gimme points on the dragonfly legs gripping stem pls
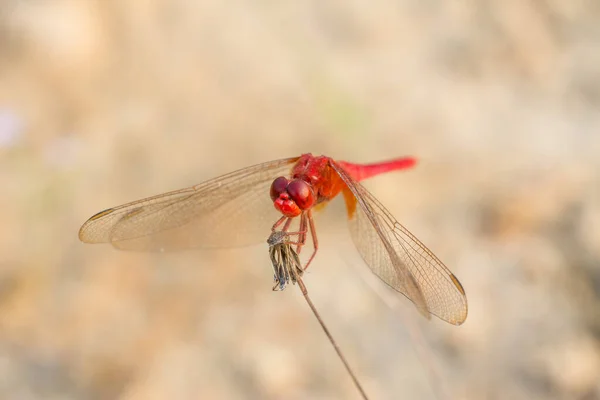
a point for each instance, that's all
(286, 263)
(307, 226)
(313, 235)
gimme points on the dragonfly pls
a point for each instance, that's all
(240, 208)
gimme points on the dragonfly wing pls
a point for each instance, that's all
(227, 211)
(399, 258)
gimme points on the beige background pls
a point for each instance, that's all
(107, 101)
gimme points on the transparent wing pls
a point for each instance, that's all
(227, 211)
(399, 258)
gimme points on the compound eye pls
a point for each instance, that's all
(278, 186)
(301, 193)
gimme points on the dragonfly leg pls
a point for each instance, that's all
(287, 224)
(279, 222)
(295, 233)
(288, 221)
(313, 235)
(301, 233)
(298, 242)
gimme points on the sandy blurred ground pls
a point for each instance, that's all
(107, 101)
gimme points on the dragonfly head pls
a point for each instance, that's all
(291, 197)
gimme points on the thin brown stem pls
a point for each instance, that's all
(331, 340)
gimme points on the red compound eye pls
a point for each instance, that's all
(278, 186)
(301, 193)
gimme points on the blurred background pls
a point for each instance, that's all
(107, 101)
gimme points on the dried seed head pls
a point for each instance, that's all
(287, 266)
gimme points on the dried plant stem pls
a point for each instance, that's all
(333, 343)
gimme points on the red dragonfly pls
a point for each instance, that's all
(208, 215)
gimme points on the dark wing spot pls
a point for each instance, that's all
(457, 284)
(101, 214)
